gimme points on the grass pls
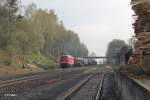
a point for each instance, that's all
(15, 70)
(31, 59)
(37, 57)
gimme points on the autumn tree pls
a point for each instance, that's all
(37, 32)
(113, 49)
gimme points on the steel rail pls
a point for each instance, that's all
(100, 88)
(30, 77)
(73, 90)
(76, 88)
(20, 80)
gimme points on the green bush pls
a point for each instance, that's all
(3, 58)
(39, 58)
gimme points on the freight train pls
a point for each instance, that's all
(67, 61)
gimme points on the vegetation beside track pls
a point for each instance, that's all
(34, 63)
(36, 36)
(9, 70)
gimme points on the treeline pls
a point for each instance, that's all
(35, 35)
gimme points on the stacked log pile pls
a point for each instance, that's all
(141, 54)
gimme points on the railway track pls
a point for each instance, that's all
(14, 81)
(11, 88)
(14, 87)
(8, 82)
(88, 89)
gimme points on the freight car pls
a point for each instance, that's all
(92, 62)
(86, 62)
(67, 61)
(79, 62)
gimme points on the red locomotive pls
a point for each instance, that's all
(66, 61)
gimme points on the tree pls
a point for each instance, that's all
(113, 49)
(38, 32)
(8, 17)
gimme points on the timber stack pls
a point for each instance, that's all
(139, 63)
(141, 54)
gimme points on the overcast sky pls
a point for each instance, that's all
(97, 22)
